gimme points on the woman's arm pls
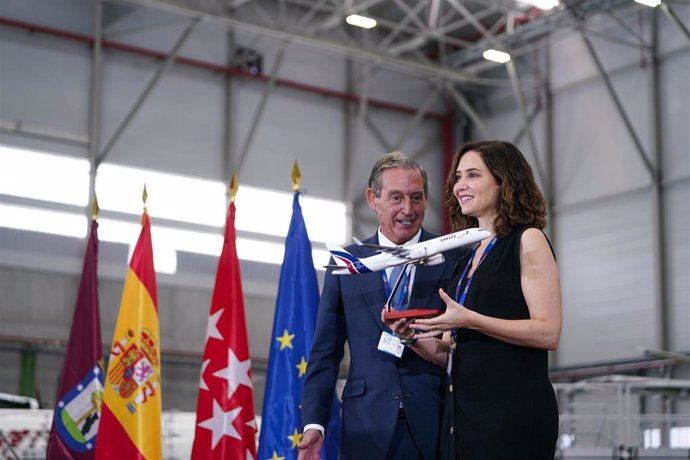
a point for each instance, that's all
(541, 288)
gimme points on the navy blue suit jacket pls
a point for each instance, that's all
(350, 311)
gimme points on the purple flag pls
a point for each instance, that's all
(78, 408)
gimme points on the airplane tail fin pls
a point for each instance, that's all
(345, 263)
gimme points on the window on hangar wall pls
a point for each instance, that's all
(62, 182)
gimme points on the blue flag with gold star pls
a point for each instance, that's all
(293, 333)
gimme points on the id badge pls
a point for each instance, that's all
(389, 343)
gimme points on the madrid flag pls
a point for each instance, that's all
(77, 413)
(131, 415)
(225, 422)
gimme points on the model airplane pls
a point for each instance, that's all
(429, 252)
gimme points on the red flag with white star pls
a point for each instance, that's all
(225, 422)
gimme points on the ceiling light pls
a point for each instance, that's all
(541, 4)
(496, 56)
(651, 3)
(360, 21)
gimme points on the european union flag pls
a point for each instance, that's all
(293, 333)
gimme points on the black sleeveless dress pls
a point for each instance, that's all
(500, 404)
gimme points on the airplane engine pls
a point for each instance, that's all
(433, 260)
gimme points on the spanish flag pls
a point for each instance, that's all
(130, 426)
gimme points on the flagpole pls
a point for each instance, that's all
(225, 420)
(130, 425)
(81, 381)
(292, 335)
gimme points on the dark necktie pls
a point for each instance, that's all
(400, 295)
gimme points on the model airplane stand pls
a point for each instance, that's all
(391, 313)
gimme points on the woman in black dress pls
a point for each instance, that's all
(503, 314)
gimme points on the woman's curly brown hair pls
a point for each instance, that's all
(520, 202)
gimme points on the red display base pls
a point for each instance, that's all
(412, 313)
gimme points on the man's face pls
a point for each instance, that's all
(401, 205)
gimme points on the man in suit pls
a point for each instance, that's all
(391, 405)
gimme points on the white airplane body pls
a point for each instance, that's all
(429, 252)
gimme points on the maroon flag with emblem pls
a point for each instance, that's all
(78, 410)
(225, 422)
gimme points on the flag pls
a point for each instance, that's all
(225, 421)
(293, 332)
(131, 417)
(77, 412)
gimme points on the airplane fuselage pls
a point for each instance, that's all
(427, 252)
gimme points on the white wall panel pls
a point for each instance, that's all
(671, 38)
(294, 126)
(507, 124)
(394, 87)
(607, 276)
(10, 364)
(571, 61)
(674, 116)
(306, 65)
(678, 250)
(44, 81)
(35, 11)
(184, 109)
(595, 155)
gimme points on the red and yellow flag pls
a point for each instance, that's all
(130, 426)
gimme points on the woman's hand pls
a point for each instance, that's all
(400, 327)
(456, 316)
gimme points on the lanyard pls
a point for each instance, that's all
(404, 286)
(461, 298)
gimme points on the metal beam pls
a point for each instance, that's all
(417, 68)
(349, 147)
(229, 138)
(467, 108)
(410, 14)
(95, 97)
(619, 107)
(522, 131)
(259, 111)
(470, 17)
(147, 90)
(336, 17)
(302, 23)
(418, 117)
(520, 98)
(434, 14)
(663, 325)
(378, 135)
(666, 8)
(30, 130)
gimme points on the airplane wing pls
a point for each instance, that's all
(332, 267)
(397, 250)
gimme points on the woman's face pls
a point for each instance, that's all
(475, 187)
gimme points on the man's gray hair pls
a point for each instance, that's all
(392, 160)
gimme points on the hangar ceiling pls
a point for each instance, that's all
(442, 38)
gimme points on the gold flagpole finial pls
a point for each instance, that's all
(145, 197)
(296, 177)
(94, 208)
(234, 185)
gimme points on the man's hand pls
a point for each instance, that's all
(310, 446)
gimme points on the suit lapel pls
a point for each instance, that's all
(426, 282)
(370, 284)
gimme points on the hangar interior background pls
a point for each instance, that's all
(182, 93)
